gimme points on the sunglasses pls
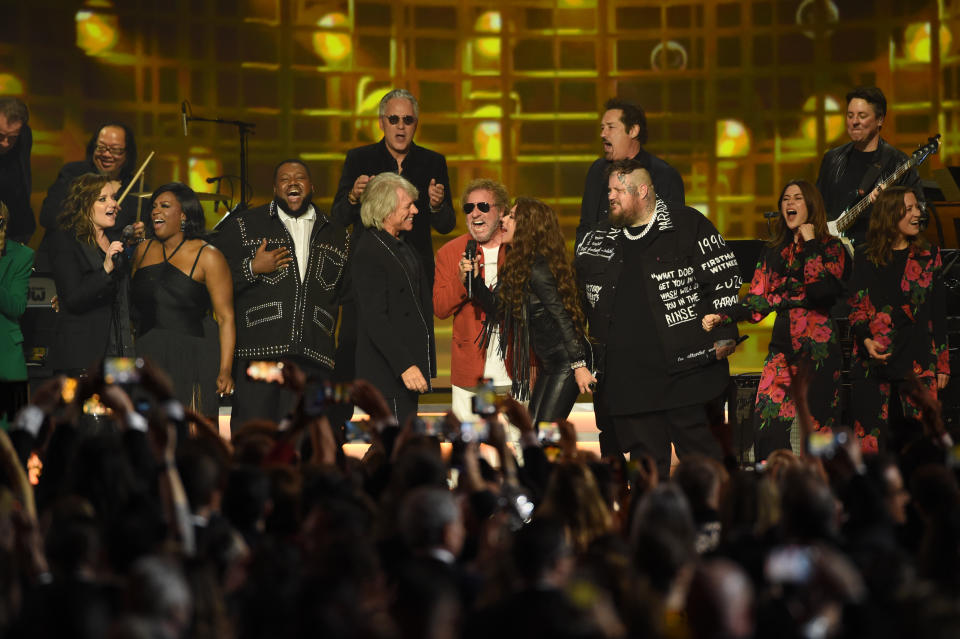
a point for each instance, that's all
(407, 119)
(483, 206)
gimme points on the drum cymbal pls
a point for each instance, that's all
(208, 197)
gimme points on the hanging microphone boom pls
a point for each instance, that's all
(183, 116)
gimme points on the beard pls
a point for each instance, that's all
(304, 206)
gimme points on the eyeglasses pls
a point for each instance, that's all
(484, 207)
(112, 150)
(407, 119)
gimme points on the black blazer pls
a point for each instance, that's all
(87, 295)
(395, 327)
(420, 166)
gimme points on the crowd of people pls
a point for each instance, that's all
(127, 509)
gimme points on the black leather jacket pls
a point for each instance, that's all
(551, 331)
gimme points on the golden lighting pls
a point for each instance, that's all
(10, 84)
(488, 22)
(833, 118)
(369, 106)
(487, 134)
(332, 47)
(96, 33)
(198, 170)
(916, 42)
(733, 139)
(577, 4)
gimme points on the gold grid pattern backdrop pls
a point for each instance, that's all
(740, 96)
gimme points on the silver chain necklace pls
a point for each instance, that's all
(659, 207)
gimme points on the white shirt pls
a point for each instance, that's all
(300, 229)
(494, 367)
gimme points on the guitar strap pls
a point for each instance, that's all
(869, 179)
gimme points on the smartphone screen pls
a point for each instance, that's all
(122, 370)
(270, 372)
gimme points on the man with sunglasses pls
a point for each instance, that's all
(484, 203)
(397, 153)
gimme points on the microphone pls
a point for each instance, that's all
(183, 117)
(771, 214)
(471, 253)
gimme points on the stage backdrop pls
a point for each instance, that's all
(740, 96)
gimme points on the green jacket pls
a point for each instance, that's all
(15, 268)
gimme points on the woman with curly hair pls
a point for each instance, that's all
(92, 277)
(799, 277)
(177, 275)
(535, 306)
(898, 316)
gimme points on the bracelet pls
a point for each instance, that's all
(578, 364)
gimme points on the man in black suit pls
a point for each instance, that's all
(288, 262)
(397, 153)
(395, 345)
(16, 142)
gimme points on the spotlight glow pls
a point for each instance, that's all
(733, 139)
(488, 22)
(96, 33)
(332, 47)
(833, 118)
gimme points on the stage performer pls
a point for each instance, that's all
(93, 279)
(851, 171)
(799, 277)
(623, 132)
(648, 277)
(177, 276)
(898, 316)
(484, 203)
(535, 306)
(395, 344)
(16, 182)
(288, 263)
(112, 152)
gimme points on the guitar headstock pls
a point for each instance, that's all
(928, 149)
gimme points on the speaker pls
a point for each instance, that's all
(39, 326)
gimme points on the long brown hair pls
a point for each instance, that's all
(888, 209)
(816, 214)
(537, 234)
(77, 214)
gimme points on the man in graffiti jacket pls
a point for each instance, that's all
(646, 279)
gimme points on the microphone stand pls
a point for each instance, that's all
(244, 129)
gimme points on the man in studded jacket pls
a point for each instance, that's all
(288, 264)
(646, 279)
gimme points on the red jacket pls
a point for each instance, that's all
(467, 357)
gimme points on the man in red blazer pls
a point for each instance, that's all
(484, 203)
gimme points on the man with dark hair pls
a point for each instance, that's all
(646, 277)
(16, 183)
(287, 260)
(851, 171)
(623, 130)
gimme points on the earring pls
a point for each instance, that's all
(183, 224)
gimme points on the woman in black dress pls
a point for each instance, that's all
(535, 306)
(92, 277)
(177, 276)
(898, 317)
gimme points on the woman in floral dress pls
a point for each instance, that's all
(799, 276)
(898, 316)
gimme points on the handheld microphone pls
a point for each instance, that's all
(183, 117)
(126, 236)
(471, 253)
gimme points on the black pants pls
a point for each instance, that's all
(404, 406)
(652, 433)
(265, 400)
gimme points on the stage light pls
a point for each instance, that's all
(333, 47)
(488, 22)
(10, 84)
(488, 140)
(668, 56)
(577, 4)
(370, 106)
(834, 119)
(97, 33)
(817, 13)
(733, 139)
(916, 42)
(198, 170)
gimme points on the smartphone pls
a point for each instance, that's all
(822, 444)
(474, 431)
(484, 402)
(122, 370)
(358, 431)
(549, 432)
(270, 372)
(69, 390)
(789, 565)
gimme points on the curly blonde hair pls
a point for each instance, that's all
(537, 234)
(77, 214)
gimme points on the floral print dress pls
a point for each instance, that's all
(800, 281)
(902, 306)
